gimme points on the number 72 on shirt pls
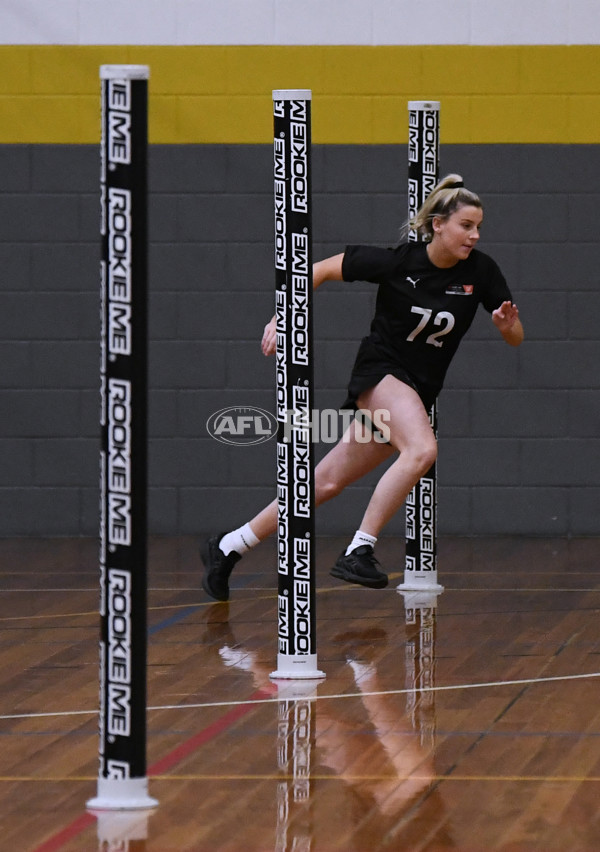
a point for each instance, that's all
(443, 318)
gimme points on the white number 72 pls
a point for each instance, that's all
(439, 319)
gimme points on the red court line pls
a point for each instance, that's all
(60, 838)
(189, 746)
(81, 823)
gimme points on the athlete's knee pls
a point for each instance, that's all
(327, 487)
(424, 455)
(329, 481)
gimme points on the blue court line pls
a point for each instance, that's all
(174, 619)
(190, 610)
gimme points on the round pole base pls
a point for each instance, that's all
(122, 794)
(297, 667)
(420, 584)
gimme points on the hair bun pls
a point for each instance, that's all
(457, 184)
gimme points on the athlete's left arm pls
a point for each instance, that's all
(506, 319)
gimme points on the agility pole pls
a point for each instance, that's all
(296, 632)
(420, 569)
(122, 781)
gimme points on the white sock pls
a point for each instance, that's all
(237, 657)
(361, 670)
(240, 540)
(359, 539)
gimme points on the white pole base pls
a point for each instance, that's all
(297, 666)
(420, 582)
(122, 794)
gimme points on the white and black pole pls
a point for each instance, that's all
(122, 781)
(420, 570)
(296, 633)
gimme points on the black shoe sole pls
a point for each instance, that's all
(369, 582)
(205, 556)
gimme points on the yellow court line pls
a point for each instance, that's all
(345, 777)
(566, 779)
(96, 613)
(45, 779)
(47, 615)
(269, 596)
(273, 596)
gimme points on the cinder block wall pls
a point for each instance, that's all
(519, 446)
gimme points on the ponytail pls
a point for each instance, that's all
(444, 199)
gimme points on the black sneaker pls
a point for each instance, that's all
(360, 567)
(218, 567)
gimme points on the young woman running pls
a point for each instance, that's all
(427, 297)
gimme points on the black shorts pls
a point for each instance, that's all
(370, 368)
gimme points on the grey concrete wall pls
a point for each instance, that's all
(519, 429)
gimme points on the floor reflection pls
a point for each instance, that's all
(379, 744)
(503, 756)
(122, 831)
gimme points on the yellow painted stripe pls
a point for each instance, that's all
(343, 777)
(222, 94)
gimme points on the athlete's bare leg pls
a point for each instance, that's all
(355, 455)
(412, 435)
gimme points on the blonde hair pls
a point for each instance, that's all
(444, 199)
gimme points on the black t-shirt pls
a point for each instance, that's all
(422, 312)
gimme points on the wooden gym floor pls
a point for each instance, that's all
(467, 722)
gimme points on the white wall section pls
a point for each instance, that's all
(299, 22)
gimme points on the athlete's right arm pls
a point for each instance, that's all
(329, 269)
